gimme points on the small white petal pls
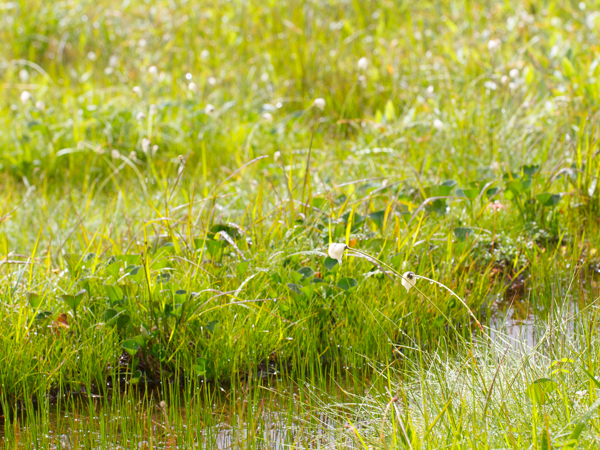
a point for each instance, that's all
(336, 251)
(408, 280)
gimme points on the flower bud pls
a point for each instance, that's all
(336, 251)
(408, 280)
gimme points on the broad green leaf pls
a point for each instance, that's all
(306, 272)
(347, 283)
(73, 301)
(330, 263)
(491, 191)
(550, 200)
(531, 170)
(378, 217)
(115, 293)
(123, 320)
(135, 377)
(462, 233)
(131, 347)
(294, 288)
(34, 299)
(471, 194)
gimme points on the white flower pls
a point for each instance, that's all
(40, 105)
(154, 149)
(153, 109)
(277, 155)
(23, 75)
(363, 63)
(25, 96)
(192, 86)
(319, 103)
(145, 145)
(211, 80)
(504, 79)
(514, 73)
(336, 251)
(408, 280)
(137, 90)
(91, 56)
(204, 54)
(113, 60)
(115, 154)
(140, 116)
(153, 70)
(438, 124)
(209, 109)
(493, 44)
(490, 85)
(267, 117)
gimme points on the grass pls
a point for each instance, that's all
(169, 189)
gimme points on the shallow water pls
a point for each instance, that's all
(518, 320)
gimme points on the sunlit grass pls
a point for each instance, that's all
(170, 186)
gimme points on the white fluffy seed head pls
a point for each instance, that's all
(363, 63)
(25, 96)
(146, 145)
(408, 280)
(319, 103)
(494, 44)
(336, 251)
